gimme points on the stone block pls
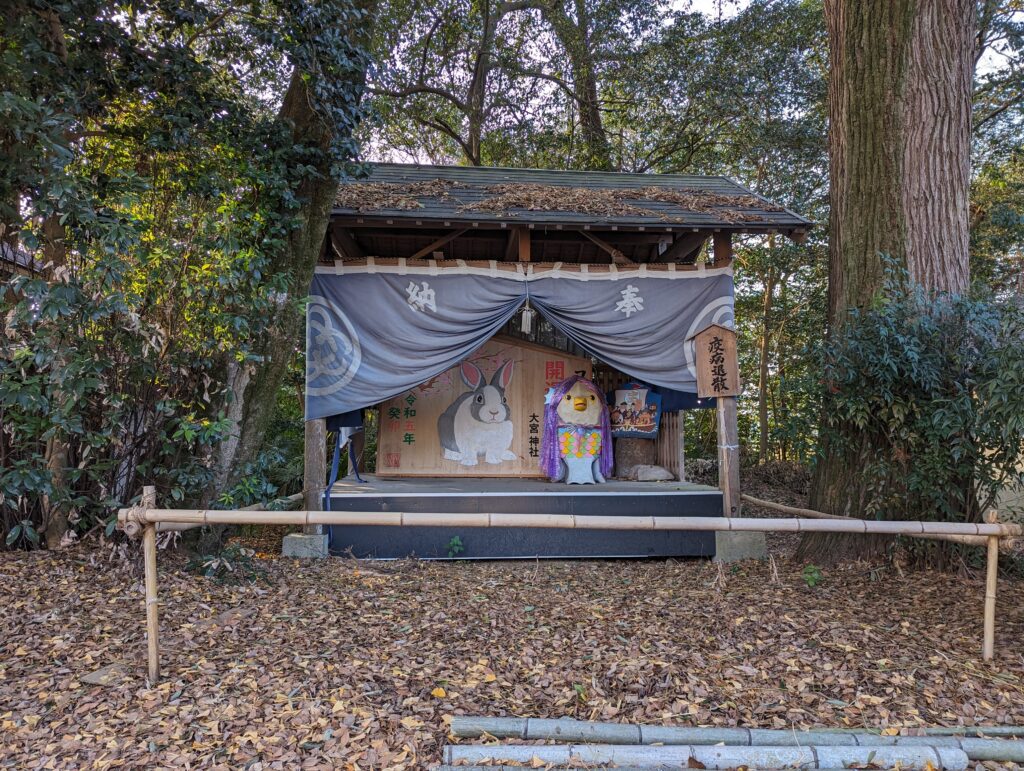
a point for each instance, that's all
(631, 452)
(653, 474)
(736, 545)
(305, 546)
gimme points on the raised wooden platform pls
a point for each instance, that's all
(521, 496)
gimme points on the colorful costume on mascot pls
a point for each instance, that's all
(577, 443)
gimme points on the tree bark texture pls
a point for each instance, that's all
(762, 375)
(900, 123)
(574, 37)
(252, 393)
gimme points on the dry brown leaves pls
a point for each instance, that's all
(606, 202)
(355, 665)
(373, 196)
(615, 202)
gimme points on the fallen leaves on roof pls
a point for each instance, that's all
(374, 196)
(617, 202)
(506, 199)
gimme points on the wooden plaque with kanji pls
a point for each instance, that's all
(483, 418)
(717, 366)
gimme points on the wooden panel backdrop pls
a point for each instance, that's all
(409, 444)
(669, 444)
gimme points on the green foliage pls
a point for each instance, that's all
(997, 231)
(234, 564)
(811, 575)
(455, 547)
(925, 397)
(24, 530)
(145, 170)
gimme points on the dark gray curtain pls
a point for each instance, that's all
(374, 332)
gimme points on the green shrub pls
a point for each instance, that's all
(924, 396)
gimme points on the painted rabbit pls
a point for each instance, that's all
(478, 421)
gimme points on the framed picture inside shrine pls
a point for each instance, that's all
(718, 371)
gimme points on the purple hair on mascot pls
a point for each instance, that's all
(584, 406)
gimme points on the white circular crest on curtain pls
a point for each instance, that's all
(333, 353)
(718, 311)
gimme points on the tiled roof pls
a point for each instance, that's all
(451, 194)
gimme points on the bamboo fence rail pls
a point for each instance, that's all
(147, 518)
(971, 540)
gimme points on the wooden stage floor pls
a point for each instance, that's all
(502, 486)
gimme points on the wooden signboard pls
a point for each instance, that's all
(718, 371)
(483, 418)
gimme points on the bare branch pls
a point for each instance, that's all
(421, 89)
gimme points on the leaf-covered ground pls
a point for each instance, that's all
(357, 665)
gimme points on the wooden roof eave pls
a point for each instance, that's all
(349, 219)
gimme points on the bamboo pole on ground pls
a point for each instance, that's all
(152, 601)
(589, 732)
(991, 576)
(712, 757)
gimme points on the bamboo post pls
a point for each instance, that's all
(152, 602)
(991, 576)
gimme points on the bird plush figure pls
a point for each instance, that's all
(576, 446)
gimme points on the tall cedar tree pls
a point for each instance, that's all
(900, 140)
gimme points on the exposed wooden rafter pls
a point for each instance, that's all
(684, 248)
(617, 256)
(345, 244)
(438, 243)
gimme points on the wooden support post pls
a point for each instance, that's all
(524, 245)
(152, 601)
(512, 245)
(728, 432)
(729, 456)
(721, 247)
(681, 444)
(314, 470)
(991, 576)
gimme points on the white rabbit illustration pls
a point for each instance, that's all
(478, 421)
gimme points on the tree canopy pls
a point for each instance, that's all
(167, 171)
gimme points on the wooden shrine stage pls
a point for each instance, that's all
(521, 496)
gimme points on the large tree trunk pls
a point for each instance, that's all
(574, 37)
(762, 374)
(899, 109)
(253, 389)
